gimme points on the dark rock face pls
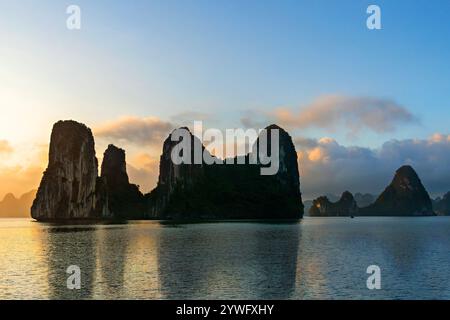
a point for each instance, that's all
(174, 180)
(288, 175)
(405, 196)
(68, 187)
(114, 168)
(71, 188)
(124, 200)
(224, 191)
(442, 206)
(345, 206)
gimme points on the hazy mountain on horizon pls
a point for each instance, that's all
(442, 205)
(364, 200)
(12, 207)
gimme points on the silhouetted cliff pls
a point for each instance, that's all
(68, 189)
(405, 196)
(228, 191)
(71, 188)
(124, 199)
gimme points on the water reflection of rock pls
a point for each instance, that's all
(70, 246)
(278, 251)
(112, 247)
(232, 260)
(98, 251)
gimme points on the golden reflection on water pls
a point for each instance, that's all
(146, 261)
(22, 263)
(143, 270)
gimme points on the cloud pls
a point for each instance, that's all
(134, 130)
(143, 170)
(333, 112)
(5, 147)
(328, 167)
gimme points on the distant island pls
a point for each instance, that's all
(404, 196)
(12, 207)
(442, 205)
(71, 187)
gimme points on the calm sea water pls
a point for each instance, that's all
(317, 258)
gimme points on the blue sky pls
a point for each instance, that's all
(223, 58)
(166, 57)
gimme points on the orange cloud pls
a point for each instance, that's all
(143, 170)
(338, 112)
(134, 130)
(438, 137)
(5, 147)
(376, 114)
(316, 154)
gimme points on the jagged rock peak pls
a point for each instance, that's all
(124, 200)
(406, 179)
(288, 173)
(68, 187)
(404, 196)
(114, 168)
(169, 172)
(346, 196)
(71, 137)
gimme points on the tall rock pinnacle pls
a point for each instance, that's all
(124, 199)
(68, 187)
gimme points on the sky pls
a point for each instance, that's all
(358, 102)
